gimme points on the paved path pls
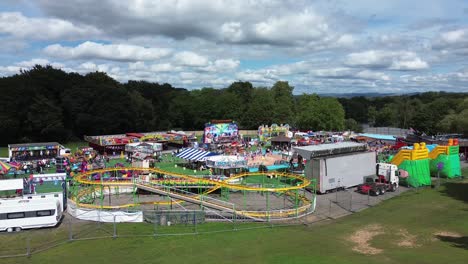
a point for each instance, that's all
(338, 204)
(464, 164)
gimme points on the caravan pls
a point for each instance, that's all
(29, 211)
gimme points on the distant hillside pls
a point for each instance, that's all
(370, 95)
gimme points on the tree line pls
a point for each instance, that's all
(48, 104)
(430, 112)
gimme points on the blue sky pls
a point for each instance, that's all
(333, 46)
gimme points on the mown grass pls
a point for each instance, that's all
(421, 213)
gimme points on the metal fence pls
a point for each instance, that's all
(158, 223)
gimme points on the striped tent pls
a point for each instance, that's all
(194, 154)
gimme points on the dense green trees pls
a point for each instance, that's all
(431, 112)
(49, 104)
(319, 113)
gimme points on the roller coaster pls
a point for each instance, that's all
(146, 179)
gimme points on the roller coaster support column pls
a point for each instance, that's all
(110, 192)
(201, 202)
(102, 196)
(102, 191)
(296, 202)
(134, 192)
(225, 193)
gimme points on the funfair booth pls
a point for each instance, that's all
(265, 133)
(147, 148)
(35, 151)
(220, 132)
(115, 144)
(226, 165)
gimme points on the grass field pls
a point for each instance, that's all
(425, 226)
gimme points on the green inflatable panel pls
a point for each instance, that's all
(451, 167)
(418, 171)
(451, 164)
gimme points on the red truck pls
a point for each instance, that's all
(386, 180)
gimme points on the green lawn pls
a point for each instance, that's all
(414, 219)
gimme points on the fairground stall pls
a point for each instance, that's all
(145, 148)
(115, 144)
(281, 143)
(265, 133)
(226, 165)
(220, 132)
(35, 151)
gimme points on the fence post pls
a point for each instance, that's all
(155, 224)
(195, 221)
(70, 230)
(234, 227)
(114, 236)
(28, 246)
(351, 202)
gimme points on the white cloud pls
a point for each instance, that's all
(188, 58)
(409, 65)
(17, 25)
(454, 41)
(163, 67)
(371, 75)
(454, 36)
(115, 52)
(222, 65)
(393, 60)
(263, 77)
(139, 65)
(9, 70)
(91, 67)
(324, 46)
(346, 40)
(226, 21)
(334, 73)
(33, 62)
(232, 32)
(295, 27)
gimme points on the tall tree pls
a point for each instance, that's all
(284, 102)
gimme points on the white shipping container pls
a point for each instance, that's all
(342, 171)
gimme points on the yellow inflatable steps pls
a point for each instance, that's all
(438, 151)
(418, 152)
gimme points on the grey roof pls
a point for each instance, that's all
(321, 150)
(41, 144)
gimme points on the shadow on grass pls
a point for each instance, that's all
(456, 190)
(459, 242)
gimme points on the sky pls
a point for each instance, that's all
(334, 46)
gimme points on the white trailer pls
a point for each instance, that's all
(341, 171)
(30, 210)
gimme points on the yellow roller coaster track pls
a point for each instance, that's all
(304, 182)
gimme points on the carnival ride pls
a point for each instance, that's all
(170, 184)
